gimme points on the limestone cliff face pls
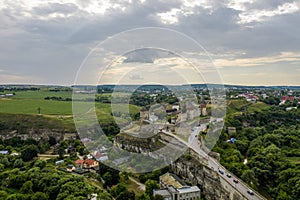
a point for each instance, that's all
(195, 171)
(192, 169)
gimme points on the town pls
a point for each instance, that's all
(49, 143)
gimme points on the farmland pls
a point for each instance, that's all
(28, 102)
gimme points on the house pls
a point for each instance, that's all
(85, 140)
(59, 162)
(286, 98)
(79, 163)
(231, 130)
(4, 152)
(290, 108)
(103, 149)
(100, 157)
(70, 168)
(89, 163)
(173, 188)
(265, 96)
(175, 107)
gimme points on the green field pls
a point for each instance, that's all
(235, 107)
(28, 102)
(40, 94)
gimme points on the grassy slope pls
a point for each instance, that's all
(235, 107)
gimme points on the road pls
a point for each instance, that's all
(194, 144)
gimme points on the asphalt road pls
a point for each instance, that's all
(194, 144)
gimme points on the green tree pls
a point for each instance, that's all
(118, 189)
(143, 197)
(17, 197)
(5, 161)
(158, 197)
(3, 194)
(27, 187)
(150, 186)
(126, 195)
(107, 177)
(103, 196)
(29, 153)
(39, 196)
(249, 177)
(18, 163)
(40, 163)
(52, 141)
(61, 151)
(2, 167)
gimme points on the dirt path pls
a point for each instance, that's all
(141, 186)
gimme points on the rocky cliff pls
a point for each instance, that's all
(36, 134)
(192, 169)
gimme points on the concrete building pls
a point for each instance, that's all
(173, 188)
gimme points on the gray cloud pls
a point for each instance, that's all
(50, 40)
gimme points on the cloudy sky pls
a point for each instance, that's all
(252, 42)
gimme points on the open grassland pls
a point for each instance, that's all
(236, 107)
(25, 104)
(41, 94)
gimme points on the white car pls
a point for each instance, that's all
(250, 192)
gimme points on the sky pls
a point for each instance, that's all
(250, 42)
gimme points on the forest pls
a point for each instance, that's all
(266, 154)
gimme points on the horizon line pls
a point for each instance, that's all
(61, 85)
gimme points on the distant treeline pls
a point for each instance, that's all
(58, 98)
(19, 89)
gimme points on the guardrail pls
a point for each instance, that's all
(241, 182)
(218, 164)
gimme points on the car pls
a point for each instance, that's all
(228, 175)
(235, 180)
(250, 192)
(221, 171)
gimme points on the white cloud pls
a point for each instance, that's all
(239, 4)
(170, 17)
(258, 61)
(261, 15)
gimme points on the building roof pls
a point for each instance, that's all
(97, 154)
(172, 179)
(188, 189)
(79, 162)
(4, 152)
(285, 98)
(89, 161)
(162, 192)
